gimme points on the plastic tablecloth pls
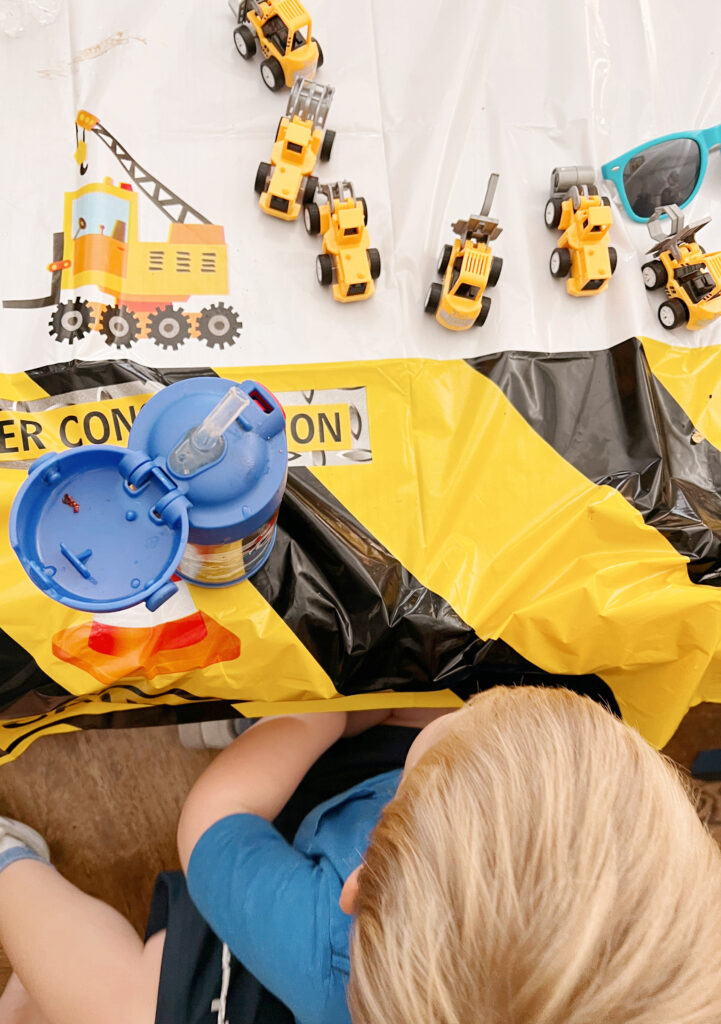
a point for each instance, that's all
(534, 500)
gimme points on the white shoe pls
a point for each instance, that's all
(212, 735)
(14, 833)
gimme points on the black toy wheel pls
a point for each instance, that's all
(552, 212)
(364, 204)
(168, 327)
(672, 314)
(311, 218)
(433, 298)
(374, 262)
(311, 185)
(219, 325)
(244, 41)
(612, 257)
(485, 310)
(444, 258)
(119, 326)
(495, 271)
(324, 269)
(71, 320)
(327, 145)
(605, 200)
(560, 262)
(261, 177)
(321, 58)
(654, 275)
(272, 74)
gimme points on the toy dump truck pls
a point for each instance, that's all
(468, 268)
(691, 276)
(583, 255)
(282, 29)
(287, 182)
(347, 263)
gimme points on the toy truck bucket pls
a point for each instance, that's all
(337, 191)
(310, 101)
(481, 228)
(670, 237)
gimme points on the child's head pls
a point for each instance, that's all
(540, 864)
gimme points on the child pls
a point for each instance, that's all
(538, 863)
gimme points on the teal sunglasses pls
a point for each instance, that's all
(665, 171)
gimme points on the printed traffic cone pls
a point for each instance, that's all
(178, 637)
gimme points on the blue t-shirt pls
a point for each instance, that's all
(276, 905)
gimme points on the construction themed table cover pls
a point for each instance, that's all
(533, 500)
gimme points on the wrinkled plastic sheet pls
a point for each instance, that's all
(427, 105)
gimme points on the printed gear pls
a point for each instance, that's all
(219, 325)
(71, 320)
(168, 327)
(114, 318)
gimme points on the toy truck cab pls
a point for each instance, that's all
(583, 254)
(691, 276)
(468, 268)
(287, 182)
(282, 28)
(347, 262)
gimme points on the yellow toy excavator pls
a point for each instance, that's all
(147, 281)
(690, 275)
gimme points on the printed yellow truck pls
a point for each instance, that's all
(287, 182)
(691, 276)
(468, 268)
(146, 281)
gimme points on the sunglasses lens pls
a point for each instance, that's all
(663, 174)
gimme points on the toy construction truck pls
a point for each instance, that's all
(346, 263)
(287, 182)
(282, 30)
(468, 268)
(583, 254)
(148, 282)
(691, 277)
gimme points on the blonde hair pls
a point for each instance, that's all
(541, 864)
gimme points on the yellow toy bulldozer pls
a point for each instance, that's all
(468, 267)
(347, 262)
(287, 182)
(583, 255)
(282, 29)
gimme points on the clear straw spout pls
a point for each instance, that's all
(204, 444)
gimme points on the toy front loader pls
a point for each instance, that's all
(287, 182)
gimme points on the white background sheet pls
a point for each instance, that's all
(430, 98)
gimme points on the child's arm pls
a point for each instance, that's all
(258, 773)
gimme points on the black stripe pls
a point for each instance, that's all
(606, 414)
(75, 375)
(368, 622)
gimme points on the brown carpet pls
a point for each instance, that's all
(108, 803)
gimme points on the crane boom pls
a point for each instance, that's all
(174, 208)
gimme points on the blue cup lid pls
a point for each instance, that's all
(100, 529)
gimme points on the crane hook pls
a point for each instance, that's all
(81, 151)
